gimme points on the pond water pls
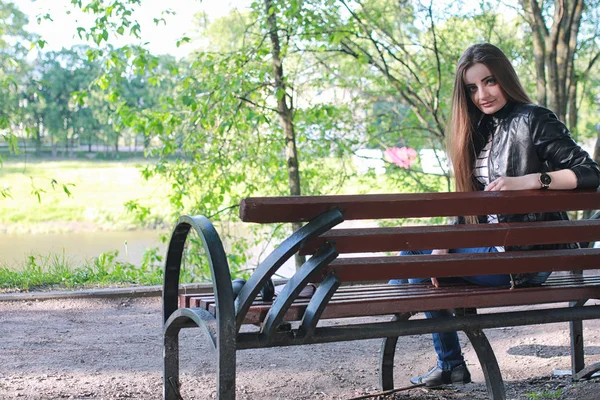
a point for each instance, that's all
(78, 246)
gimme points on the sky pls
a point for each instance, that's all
(62, 30)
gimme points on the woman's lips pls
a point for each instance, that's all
(487, 104)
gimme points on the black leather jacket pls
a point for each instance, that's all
(530, 139)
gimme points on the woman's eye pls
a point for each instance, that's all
(472, 89)
(491, 81)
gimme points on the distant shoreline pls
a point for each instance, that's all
(60, 227)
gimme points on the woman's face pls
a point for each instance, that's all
(483, 89)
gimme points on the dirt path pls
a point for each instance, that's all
(111, 349)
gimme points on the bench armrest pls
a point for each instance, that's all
(219, 267)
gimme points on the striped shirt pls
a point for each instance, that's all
(482, 174)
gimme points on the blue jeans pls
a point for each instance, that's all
(446, 344)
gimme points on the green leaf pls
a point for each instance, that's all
(66, 190)
(183, 40)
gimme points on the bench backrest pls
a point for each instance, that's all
(365, 240)
(406, 205)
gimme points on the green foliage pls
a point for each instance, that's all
(14, 44)
(141, 213)
(56, 270)
(545, 394)
(111, 17)
(38, 271)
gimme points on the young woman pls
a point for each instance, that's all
(498, 140)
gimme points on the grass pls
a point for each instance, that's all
(544, 394)
(55, 270)
(97, 195)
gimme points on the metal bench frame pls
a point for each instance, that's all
(224, 328)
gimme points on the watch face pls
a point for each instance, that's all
(545, 179)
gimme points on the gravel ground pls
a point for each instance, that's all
(111, 349)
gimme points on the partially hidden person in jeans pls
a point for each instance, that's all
(499, 140)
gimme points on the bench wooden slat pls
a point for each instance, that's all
(488, 297)
(349, 299)
(454, 237)
(469, 296)
(205, 300)
(398, 267)
(380, 206)
(375, 290)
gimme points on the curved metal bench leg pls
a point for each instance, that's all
(577, 351)
(578, 369)
(226, 365)
(171, 364)
(222, 288)
(386, 361)
(489, 364)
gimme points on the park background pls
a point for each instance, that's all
(118, 116)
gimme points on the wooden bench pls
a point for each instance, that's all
(355, 286)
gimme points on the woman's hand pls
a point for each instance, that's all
(564, 179)
(524, 182)
(434, 281)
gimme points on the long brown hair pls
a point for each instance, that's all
(465, 115)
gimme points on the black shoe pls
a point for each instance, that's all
(437, 377)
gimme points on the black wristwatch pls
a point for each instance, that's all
(545, 180)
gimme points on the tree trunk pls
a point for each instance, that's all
(285, 112)
(554, 52)
(597, 148)
(572, 116)
(553, 81)
(54, 144)
(539, 32)
(38, 137)
(72, 149)
(540, 70)
(559, 87)
(572, 77)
